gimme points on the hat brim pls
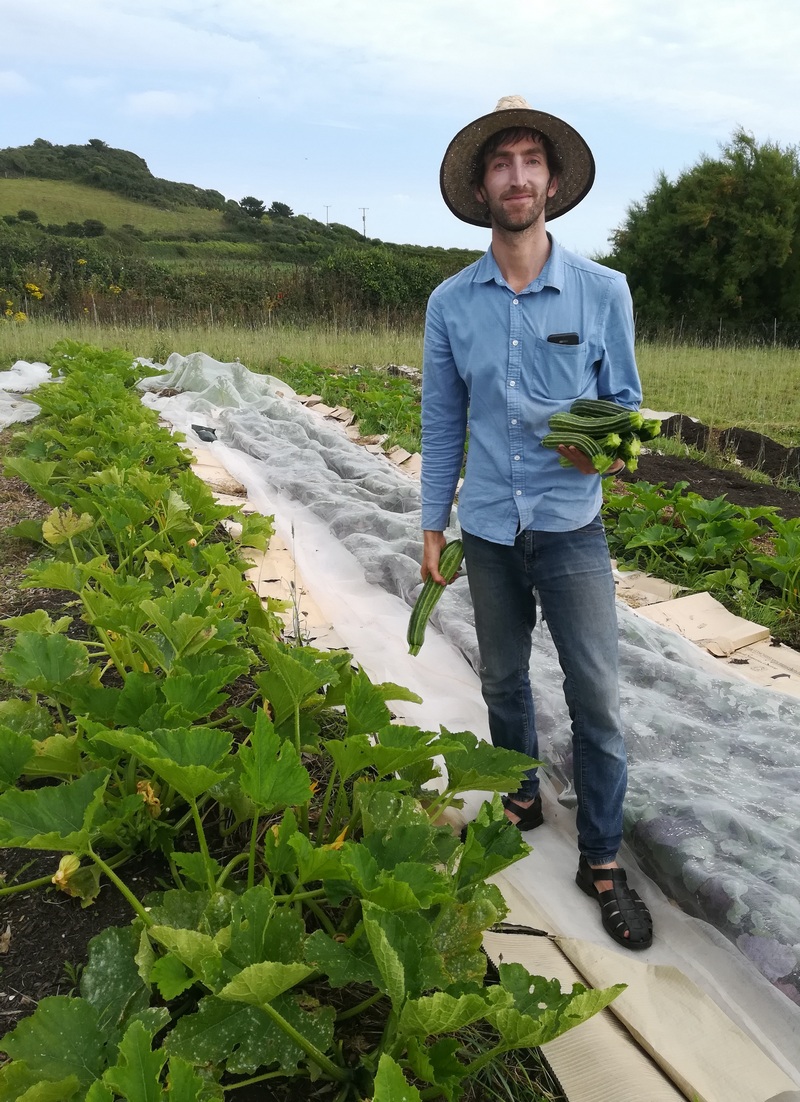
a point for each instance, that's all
(458, 166)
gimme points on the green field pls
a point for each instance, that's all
(59, 202)
(754, 388)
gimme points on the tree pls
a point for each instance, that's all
(722, 241)
(280, 210)
(252, 207)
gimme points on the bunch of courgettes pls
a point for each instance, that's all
(449, 563)
(602, 430)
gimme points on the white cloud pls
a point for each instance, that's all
(14, 84)
(87, 86)
(162, 104)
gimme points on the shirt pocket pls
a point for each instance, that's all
(558, 371)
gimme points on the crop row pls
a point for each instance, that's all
(310, 884)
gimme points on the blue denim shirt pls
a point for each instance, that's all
(488, 365)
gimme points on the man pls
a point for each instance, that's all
(510, 340)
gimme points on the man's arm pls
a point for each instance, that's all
(444, 427)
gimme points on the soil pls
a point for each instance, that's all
(43, 933)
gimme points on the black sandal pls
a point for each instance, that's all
(621, 908)
(529, 817)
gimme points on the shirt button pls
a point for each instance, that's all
(515, 343)
(516, 302)
(513, 420)
(512, 383)
(516, 457)
(519, 493)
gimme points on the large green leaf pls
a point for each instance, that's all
(316, 862)
(16, 749)
(19, 1084)
(458, 934)
(60, 1039)
(262, 983)
(366, 706)
(244, 1038)
(541, 1009)
(291, 677)
(188, 758)
(38, 621)
(170, 976)
(492, 844)
(351, 755)
(198, 951)
(42, 663)
(62, 525)
(56, 756)
(183, 1083)
(483, 766)
(444, 1013)
(110, 982)
(272, 774)
(391, 1084)
(250, 918)
(400, 747)
(279, 856)
(136, 1074)
(37, 475)
(56, 817)
(342, 965)
(437, 1064)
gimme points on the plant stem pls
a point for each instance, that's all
(231, 865)
(351, 1013)
(258, 1079)
(40, 883)
(251, 861)
(131, 898)
(201, 838)
(323, 815)
(341, 1075)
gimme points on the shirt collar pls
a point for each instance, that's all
(551, 275)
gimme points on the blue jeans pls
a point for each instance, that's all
(571, 572)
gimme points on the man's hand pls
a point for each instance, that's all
(582, 461)
(433, 543)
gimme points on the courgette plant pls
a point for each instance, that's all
(313, 887)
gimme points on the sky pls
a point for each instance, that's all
(343, 108)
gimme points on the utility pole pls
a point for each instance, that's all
(327, 208)
(364, 218)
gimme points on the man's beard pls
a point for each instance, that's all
(516, 221)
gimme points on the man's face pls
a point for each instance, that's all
(517, 184)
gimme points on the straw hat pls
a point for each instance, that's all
(455, 177)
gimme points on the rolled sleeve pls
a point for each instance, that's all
(444, 422)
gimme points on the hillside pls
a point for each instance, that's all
(89, 231)
(63, 201)
(100, 165)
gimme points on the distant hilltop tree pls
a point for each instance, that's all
(252, 206)
(280, 210)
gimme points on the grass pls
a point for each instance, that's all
(261, 349)
(753, 388)
(750, 388)
(59, 201)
